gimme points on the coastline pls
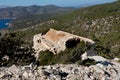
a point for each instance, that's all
(5, 23)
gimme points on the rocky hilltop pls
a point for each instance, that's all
(104, 70)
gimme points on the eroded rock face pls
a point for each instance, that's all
(104, 70)
(56, 41)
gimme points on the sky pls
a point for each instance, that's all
(69, 3)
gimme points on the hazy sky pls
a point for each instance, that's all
(48, 2)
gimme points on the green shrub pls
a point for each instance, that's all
(46, 57)
(70, 55)
(10, 45)
(87, 62)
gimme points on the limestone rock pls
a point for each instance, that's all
(2, 74)
(116, 59)
(13, 69)
(104, 70)
(97, 58)
(25, 74)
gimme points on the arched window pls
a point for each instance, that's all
(39, 41)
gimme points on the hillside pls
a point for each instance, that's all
(100, 23)
(19, 11)
(83, 45)
(29, 21)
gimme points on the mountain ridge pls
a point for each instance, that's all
(20, 11)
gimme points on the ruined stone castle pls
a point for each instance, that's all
(56, 41)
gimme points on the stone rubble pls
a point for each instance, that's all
(104, 70)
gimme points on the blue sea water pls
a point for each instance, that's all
(3, 23)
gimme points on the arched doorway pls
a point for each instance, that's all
(72, 42)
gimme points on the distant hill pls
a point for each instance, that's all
(20, 11)
(2, 6)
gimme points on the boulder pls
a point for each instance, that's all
(14, 70)
(116, 59)
(2, 74)
(97, 58)
(74, 77)
(26, 75)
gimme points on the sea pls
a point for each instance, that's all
(4, 23)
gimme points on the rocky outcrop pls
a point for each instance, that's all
(56, 41)
(104, 70)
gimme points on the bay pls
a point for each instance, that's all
(4, 23)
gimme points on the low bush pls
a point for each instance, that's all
(87, 62)
(69, 56)
(10, 47)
